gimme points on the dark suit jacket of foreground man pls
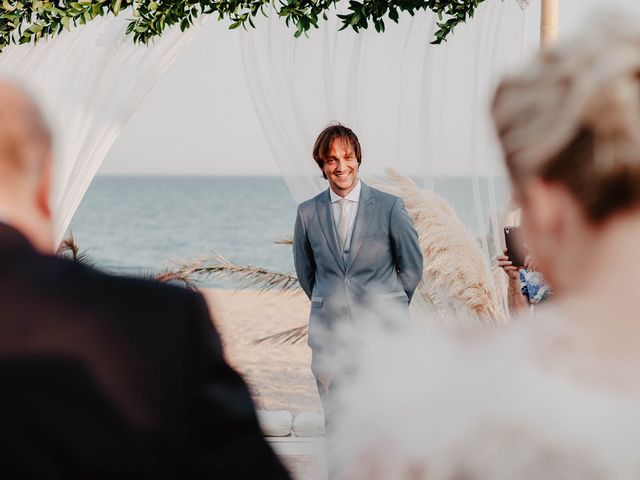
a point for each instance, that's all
(109, 377)
(382, 267)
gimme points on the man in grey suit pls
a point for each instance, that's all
(353, 247)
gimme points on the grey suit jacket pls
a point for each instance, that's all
(383, 264)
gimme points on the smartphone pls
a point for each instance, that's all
(516, 250)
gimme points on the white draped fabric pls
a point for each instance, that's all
(89, 81)
(421, 109)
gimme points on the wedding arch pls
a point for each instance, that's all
(419, 108)
(92, 77)
(25, 22)
(425, 114)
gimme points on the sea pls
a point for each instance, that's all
(137, 225)
(140, 225)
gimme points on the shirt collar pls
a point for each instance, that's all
(353, 196)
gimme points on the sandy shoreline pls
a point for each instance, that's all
(278, 375)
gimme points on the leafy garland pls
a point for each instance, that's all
(23, 21)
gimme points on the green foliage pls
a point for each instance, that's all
(23, 21)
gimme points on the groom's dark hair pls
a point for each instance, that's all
(322, 147)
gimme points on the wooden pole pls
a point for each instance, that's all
(549, 23)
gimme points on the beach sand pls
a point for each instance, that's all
(278, 376)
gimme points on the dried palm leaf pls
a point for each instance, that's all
(249, 276)
(70, 249)
(167, 276)
(284, 241)
(456, 273)
(291, 336)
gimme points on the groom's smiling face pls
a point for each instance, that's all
(341, 167)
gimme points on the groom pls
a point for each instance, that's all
(353, 246)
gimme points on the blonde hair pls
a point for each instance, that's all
(573, 116)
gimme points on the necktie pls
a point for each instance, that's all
(343, 222)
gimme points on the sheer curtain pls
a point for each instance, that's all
(89, 81)
(421, 109)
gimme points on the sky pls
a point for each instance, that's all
(199, 118)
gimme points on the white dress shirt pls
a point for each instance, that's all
(352, 209)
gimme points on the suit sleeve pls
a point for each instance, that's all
(303, 259)
(406, 248)
(226, 439)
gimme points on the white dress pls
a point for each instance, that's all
(509, 404)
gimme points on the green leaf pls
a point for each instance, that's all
(393, 14)
(153, 17)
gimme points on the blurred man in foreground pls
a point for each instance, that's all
(104, 377)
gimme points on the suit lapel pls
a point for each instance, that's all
(328, 227)
(366, 209)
